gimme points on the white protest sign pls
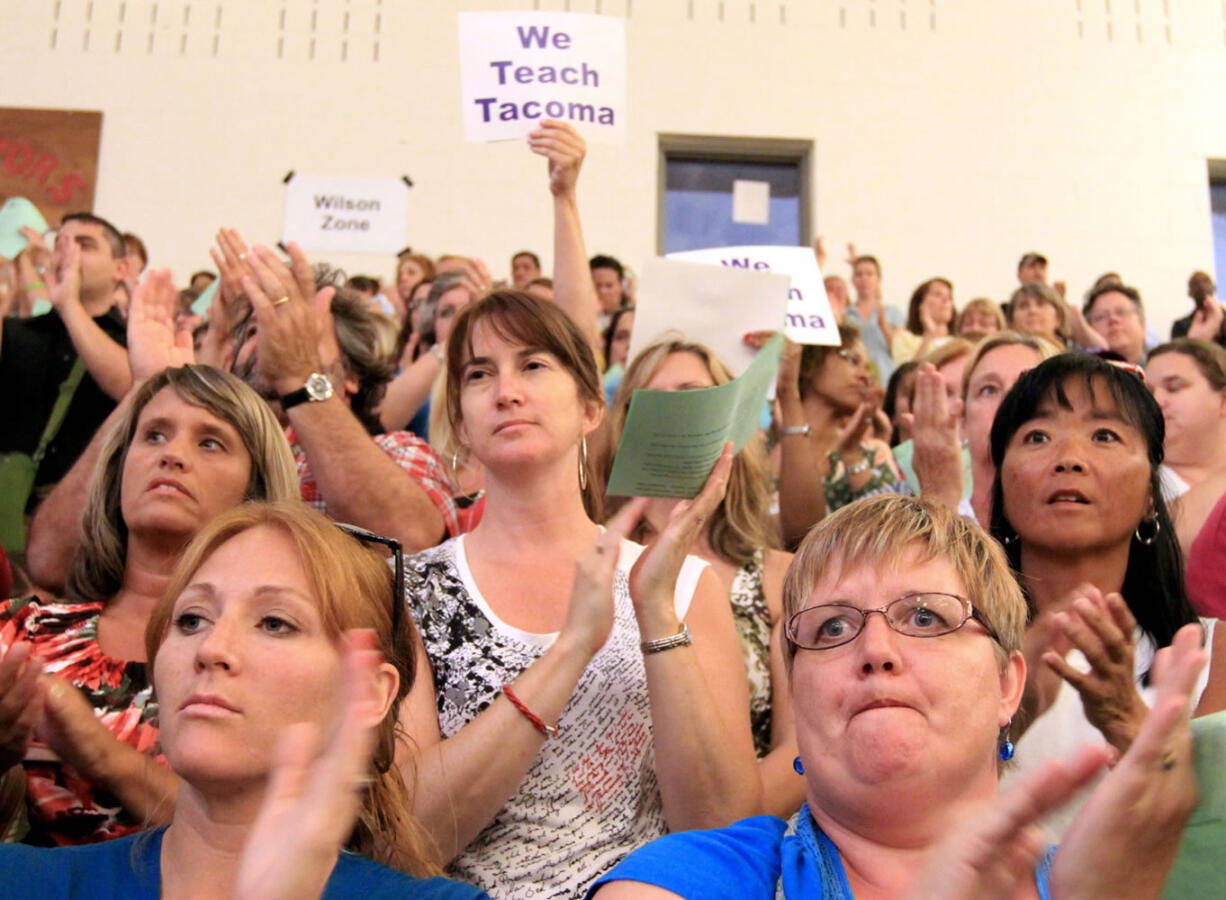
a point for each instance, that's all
(351, 215)
(809, 319)
(517, 68)
(709, 305)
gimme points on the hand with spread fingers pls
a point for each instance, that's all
(1103, 630)
(654, 576)
(294, 321)
(315, 790)
(1124, 841)
(153, 342)
(994, 852)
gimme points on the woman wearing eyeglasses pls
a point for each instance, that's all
(904, 631)
(1077, 503)
(588, 693)
(829, 404)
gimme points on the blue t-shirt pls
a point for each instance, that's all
(746, 861)
(130, 868)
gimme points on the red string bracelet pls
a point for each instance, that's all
(537, 722)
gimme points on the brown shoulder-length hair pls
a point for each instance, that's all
(914, 324)
(355, 589)
(740, 524)
(96, 572)
(520, 318)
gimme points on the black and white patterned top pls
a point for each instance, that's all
(591, 795)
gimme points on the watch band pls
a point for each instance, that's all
(293, 398)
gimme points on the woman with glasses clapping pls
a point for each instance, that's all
(904, 632)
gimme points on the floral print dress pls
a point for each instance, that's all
(62, 806)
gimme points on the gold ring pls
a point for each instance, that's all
(280, 300)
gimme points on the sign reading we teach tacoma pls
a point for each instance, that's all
(517, 68)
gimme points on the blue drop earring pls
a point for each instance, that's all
(799, 766)
(1006, 746)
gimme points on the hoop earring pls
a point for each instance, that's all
(583, 463)
(1148, 539)
(455, 467)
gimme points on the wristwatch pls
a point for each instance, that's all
(317, 389)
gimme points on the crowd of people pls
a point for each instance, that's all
(321, 593)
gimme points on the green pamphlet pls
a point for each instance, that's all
(672, 439)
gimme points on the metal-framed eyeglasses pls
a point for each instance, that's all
(922, 614)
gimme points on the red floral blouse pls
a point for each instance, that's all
(62, 806)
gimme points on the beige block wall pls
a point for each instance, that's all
(950, 135)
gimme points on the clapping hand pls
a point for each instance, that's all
(1124, 840)
(933, 424)
(1206, 322)
(20, 702)
(1102, 628)
(296, 334)
(315, 789)
(654, 576)
(153, 342)
(589, 618)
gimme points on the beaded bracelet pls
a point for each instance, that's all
(537, 722)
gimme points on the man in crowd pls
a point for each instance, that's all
(1115, 312)
(607, 275)
(1207, 318)
(876, 321)
(38, 355)
(525, 266)
(1032, 267)
(313, 356)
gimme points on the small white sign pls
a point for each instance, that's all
(517, 68)
(751, 202)
(709, 305)
(808, 319)
(350, 215)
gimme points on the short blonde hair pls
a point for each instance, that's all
(988, 305)
(1040, 345)
(878, 531)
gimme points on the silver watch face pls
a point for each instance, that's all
(318, 387)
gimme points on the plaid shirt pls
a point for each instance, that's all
(407, 450)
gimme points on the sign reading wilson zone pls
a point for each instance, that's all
(517, 68)
(346, 214)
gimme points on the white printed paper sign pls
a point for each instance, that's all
(350, 215)
(686, 300)
(808, 320)
(517, 68)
